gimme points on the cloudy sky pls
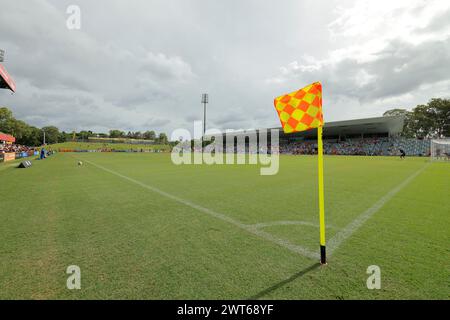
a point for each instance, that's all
(138, 65)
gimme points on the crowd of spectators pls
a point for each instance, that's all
(9, 148)
(382, 146)
(376, 146)
(299, 147)
(363, 147)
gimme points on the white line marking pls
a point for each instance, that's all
(353, 226)
(249, 228)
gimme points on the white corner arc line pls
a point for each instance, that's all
(249, 228)
(353, 226)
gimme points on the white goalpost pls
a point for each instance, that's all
(440, 150)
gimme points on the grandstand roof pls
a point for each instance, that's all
(390, 125)
(7, 137)
(6, 82)
(380, 125)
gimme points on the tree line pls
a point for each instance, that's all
(147, 135)
(431, 120)
(26, 134)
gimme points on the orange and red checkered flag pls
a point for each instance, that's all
(301, 110)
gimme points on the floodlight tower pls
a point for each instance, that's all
(204, 101)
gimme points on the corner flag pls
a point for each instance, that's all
(299, 111)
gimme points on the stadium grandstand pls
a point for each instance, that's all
(6, 139)
(11, 151)
(380, 136)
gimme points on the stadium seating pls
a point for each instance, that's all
(383, 146)
(413, 147)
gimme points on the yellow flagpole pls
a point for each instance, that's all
(323, 259)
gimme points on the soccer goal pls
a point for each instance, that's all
(440, 149)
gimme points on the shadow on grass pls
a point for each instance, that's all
(284, 282)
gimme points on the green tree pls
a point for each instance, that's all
(431, 120)
(52, 134)
(439, 111)
(150, 135)
(32, 137)
(84, 135)
(162, 139)
(116, 133)
(421, 122)
(407, 132)
(395, 112)
(19, 130)
(6, 120)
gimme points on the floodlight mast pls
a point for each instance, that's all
(204, 101)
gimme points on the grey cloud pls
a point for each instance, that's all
(438, 23)
(143, 64)
(155, 123)
(416, 65)
(397, 69)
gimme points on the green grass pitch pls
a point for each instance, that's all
(134, 243)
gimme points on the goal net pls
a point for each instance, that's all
(440, 149)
